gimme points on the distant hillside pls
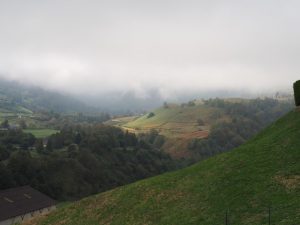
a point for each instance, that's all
(202, 128)
(15, 97)
(245, 182)
(42, 112)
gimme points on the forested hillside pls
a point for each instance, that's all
(245, 119)
(16, 97)
(78, 161)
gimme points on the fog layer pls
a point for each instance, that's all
(95, 47)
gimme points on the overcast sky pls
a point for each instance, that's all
(99, 46)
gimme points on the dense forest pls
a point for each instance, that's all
(79, 160)
(247, 119)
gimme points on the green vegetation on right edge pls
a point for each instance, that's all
(246, 181)
(297, 92)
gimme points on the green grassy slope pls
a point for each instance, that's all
(175, 120)
(178, 124)
(246, 181)
(41, 133)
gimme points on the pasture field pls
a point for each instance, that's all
(41, 133)
(175, 121)
(178, 124)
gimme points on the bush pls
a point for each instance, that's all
(150, 115)
(200, 122)
(191, 103)
(297, 92)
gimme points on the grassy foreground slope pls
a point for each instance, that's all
(246, 181)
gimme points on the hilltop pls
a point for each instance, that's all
(245, 181)
(178, 124)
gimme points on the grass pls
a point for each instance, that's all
(245, 182)
(175, 120)
(41, 133)
(18, 113)
(15, 115)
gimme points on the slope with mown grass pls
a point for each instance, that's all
(263, 173)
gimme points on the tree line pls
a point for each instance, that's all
(247, 119)
(80, 160)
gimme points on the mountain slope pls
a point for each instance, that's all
(246, 181)
(15, 97)
(199, 129)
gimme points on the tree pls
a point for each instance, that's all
(4, 153)
(77, 138)
(150, 115)
(39, 145)
(191, 103)
(200, 122)
(166, 105)
(49, 146)
(5, 124)
(297, 92)
(27, 140)
(23, 124)
(72, 150)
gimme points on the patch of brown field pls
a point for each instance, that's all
(106, 221)
(130, 130)
(90, 208)
(36, 220)
(177, 148)
(63, 222)
(254, 218)
(173, 195)
(147, 194)
(289, 182)
(177, 137)
(165, 196)
(94, 205)
(197, 134)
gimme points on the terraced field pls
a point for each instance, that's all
(174, 121)
(177, 123)
(31, 120)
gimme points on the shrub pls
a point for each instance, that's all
(297, 92)
(200, 122)
(191, 103)
(150, 115)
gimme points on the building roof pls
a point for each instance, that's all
(22, 200)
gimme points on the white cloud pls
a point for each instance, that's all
(174, 46)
